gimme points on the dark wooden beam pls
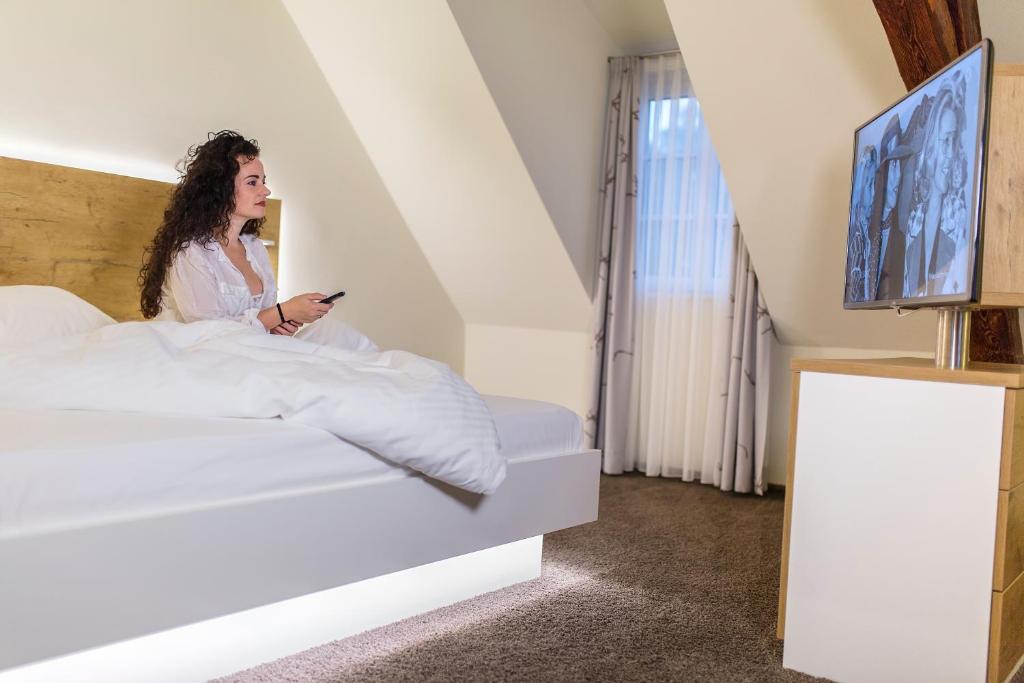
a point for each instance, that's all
(966, 23)
(921, 34)
(925, 35)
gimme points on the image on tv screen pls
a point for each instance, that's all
(913, 226)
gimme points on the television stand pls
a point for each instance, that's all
(953, 338)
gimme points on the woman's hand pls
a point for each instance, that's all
(288, 328)
(305, 308)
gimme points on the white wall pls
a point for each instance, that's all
(545, 66)
(135, 83)
(543, 365)
(434, 133)
(431, 128)
(1003, 22)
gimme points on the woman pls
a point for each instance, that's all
(206, 261)
(937, 246)
(863, 197)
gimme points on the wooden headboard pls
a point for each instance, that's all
(86, 231)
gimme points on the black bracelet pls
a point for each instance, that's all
(280, 313)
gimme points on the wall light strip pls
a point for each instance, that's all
(91, 160)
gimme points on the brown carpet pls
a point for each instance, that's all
(675, 582)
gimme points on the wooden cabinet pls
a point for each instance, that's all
(904, 537)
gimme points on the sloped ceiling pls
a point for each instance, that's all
(783, 85)
(637, 26)
(552, 98)
(408, 83)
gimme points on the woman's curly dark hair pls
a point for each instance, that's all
(200, 208)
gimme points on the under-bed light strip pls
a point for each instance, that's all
(221, 646)
(88, 160)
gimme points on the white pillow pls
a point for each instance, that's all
(31, 313)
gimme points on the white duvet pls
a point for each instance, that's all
(410, 410)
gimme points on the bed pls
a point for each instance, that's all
(120, 528)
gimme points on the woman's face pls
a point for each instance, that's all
(947, 140)
(251, 189)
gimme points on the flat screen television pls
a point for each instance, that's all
(917, 195)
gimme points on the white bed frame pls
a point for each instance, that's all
(78, 589)
(68, 591)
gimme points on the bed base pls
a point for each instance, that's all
(221, 646)
(71, 590)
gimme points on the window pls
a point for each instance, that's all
(685, 221)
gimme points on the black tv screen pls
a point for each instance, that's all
(917, 192)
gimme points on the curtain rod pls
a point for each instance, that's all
(652, 54)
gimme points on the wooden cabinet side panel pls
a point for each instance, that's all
(794, 401)
(1002, 523)
(1011, 471)
(1009, 561)
(995, 636)
(1006, 645)
(1002, 279)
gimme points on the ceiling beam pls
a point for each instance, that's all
(925, 35)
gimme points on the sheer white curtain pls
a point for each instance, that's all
(685, 254)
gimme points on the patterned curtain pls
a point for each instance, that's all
(612, 349)
(684, 351)
(744, 390)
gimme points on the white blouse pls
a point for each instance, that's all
(203, 284)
